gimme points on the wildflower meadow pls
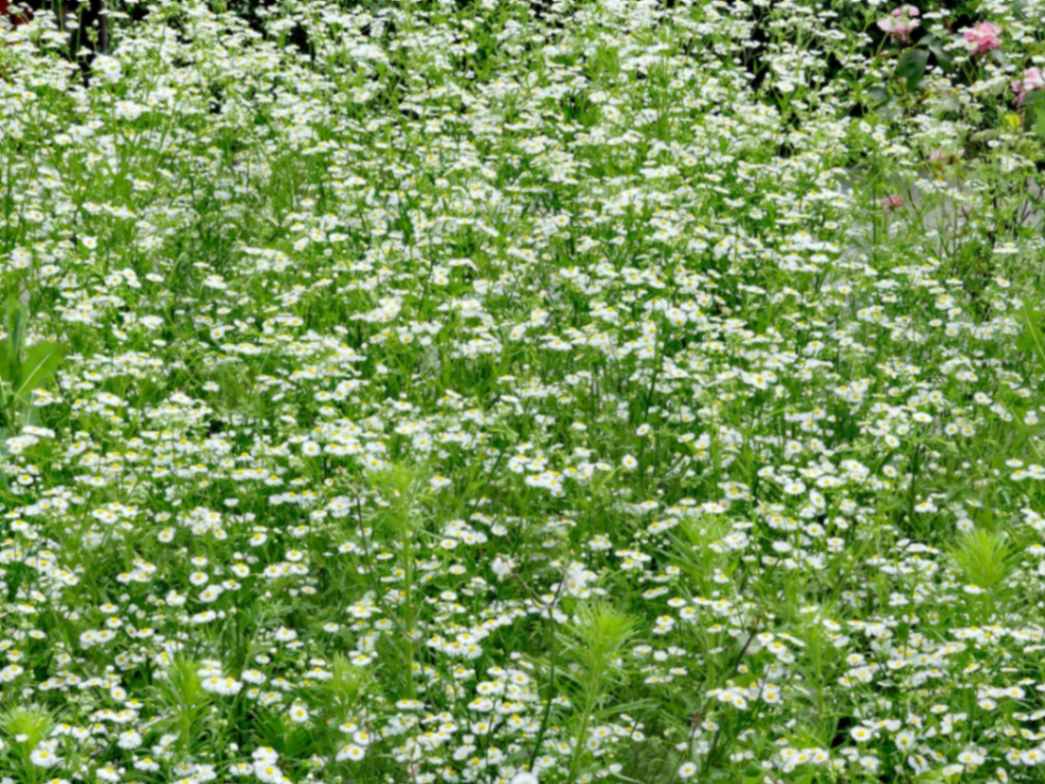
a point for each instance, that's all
(522, 391)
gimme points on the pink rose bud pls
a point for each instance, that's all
(982, 37)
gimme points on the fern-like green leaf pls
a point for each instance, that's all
(983, 557)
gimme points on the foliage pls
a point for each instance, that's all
(23, 369)
(500, 391)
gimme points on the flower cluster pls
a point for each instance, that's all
(982, 37)
(901, 22)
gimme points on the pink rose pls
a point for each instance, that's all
(982, 37)
(1033, 79)
(901, 22)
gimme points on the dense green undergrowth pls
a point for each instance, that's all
(507, 392)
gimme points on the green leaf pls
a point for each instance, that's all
(911, 66)
(7, 368)
(934, 777)
(879, 96)
(1035, 105)
(40, 365)
(1030, 339)
(15, 322)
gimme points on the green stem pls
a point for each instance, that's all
(546, 718)
(579, 740)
